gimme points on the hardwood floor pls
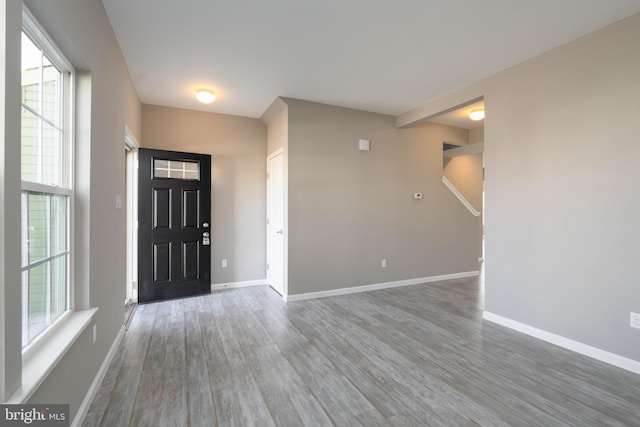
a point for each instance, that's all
(415, 356)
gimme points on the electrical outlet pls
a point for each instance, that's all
(224, 263)
(635, 320)
(383, 263)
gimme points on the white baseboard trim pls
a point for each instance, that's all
(584, 349)
(231, 285)
(377, 286)
(97, 381)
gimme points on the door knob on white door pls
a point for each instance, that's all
(279, 231)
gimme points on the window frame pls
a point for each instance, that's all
(38, 35)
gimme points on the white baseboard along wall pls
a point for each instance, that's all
(378, 286)
(569, 344)
(232, 285)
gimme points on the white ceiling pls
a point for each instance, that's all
(374, 55)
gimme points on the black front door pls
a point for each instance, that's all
(174, 217)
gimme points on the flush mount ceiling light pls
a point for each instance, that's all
(205, 96)
(476, 115)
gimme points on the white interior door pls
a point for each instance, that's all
(275, 222)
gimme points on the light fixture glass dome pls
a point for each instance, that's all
(205, 96)
(476, 115)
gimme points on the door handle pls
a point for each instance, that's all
(279, 231)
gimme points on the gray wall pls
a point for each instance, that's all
(466, 175)
(109, 102)
(562, 169)
(276, 118)
(349, 209)
(562, 173)
(238, 146)
(476, 135)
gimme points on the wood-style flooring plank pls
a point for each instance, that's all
(341, 400)
(173, 404)
(103, 394)
(440, 369)
(148, 397)
(289, 399)
(133, 348)
(421, 385)
(200, 409)
(414, 356)
(250, 398)
(225, 400)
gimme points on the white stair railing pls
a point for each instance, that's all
(460, 197)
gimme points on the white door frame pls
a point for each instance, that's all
(271, 231)
(131, 146)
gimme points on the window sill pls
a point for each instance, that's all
(39, 361)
